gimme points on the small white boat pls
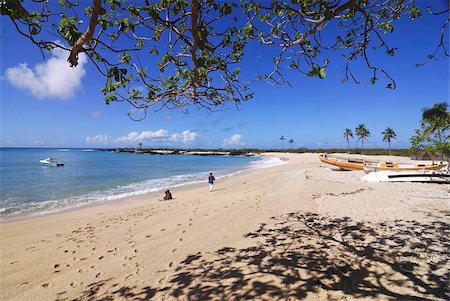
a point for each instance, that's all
(431, 176)
(51, 162)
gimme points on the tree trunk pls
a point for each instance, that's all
(389, 142)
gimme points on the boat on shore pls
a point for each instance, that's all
(429, 176)
(344, 163)
(51, 162)
(369, 166)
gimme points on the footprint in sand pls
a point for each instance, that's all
(45, 285)
(23, 283)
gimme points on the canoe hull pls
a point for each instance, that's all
(368, 167)
(341, 164)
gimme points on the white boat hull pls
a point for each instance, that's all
(51, 163)
(408, 176)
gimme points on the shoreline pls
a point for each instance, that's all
(134, 194)
(248, 239)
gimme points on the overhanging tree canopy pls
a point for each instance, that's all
(182, 53)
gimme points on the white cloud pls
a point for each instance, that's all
(99, 139)
(233, 140)
(144, 136)
(51, 79)
(96, 114)
(189, 137)
(38, 142)
(132, 138)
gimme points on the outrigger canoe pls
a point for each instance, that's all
(361, 164)
(345, 164)
(401, 167)
(430, 176)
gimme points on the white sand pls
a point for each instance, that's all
(296, 231)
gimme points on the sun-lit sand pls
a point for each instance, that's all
(295, 231)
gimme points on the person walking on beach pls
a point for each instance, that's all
(211, 180)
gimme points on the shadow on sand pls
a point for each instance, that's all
(305, 254)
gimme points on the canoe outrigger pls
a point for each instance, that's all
(361, 164)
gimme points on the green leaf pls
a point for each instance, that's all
(322, 73)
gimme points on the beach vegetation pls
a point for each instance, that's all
(282, 140)
(348, 133)
(291, 141)
(389, 134)
(187, 54)
(362, 133)
(433, 137)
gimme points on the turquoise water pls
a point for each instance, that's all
(29, 187)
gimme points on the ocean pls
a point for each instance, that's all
(28, 187)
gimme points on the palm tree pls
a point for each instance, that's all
(389, 134)
(436, 120)
(348, 133)
(436, 124)
(362, 132)
(282, 140)
(140, 144)
(291, 141)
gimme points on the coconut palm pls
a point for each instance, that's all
(362, 133)
(436, 120)
(140, 144)
(291, 141)
(348, 133)
(436, 125)
(282, 140)
(389, 134)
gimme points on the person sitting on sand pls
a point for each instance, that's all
(168, 196)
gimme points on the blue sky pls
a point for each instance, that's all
(63, 109)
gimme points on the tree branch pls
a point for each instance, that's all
(87, 36)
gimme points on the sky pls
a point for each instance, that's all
(44, 103)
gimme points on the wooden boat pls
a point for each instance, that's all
(430, 176)
(345, 164)
(369, 166)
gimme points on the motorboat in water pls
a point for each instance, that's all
(51, 162)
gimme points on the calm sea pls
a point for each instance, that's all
(29, 187)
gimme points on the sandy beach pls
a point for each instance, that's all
(291, 232)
